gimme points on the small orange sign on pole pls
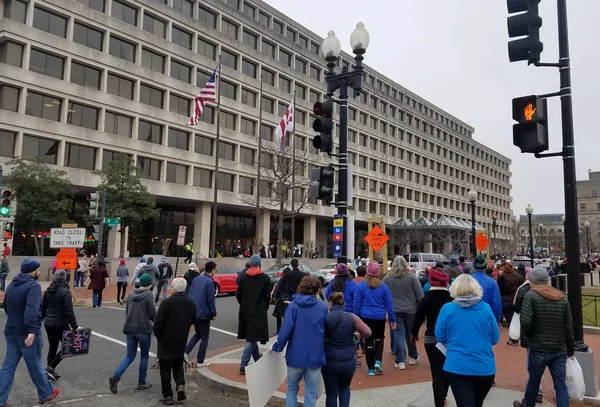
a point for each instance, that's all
(376, 238)
(67, 259)
(481, 242)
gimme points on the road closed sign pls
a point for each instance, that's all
(67, 238)
(376, 238)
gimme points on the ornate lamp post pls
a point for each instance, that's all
(494, 225)
(529, 211)
(587, 232)
(541, 226)
(472, 195)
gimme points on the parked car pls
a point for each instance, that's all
(225, 279)
(419, 261)
(328, 272)
(275, 272)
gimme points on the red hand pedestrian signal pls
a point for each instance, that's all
(529, 111)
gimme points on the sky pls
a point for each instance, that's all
(454, 54)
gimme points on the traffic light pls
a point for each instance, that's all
(324, 125)
(531, 132)
(525, 24)
(321, 183)
(8, 230)
(93, 205)
(5, 202)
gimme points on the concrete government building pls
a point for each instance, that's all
(82, 80)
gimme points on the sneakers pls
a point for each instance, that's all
(54, 395)
(400, 366)
(144, 386)
(412, 361)
(370, 372)
(242, 371)
(168, 401)
(539, 398)
(181, 393)
(186, 358)
(359, 363)
(112, 384)
(201, 365)
(517, 403)
(51, 374)
(378, 367)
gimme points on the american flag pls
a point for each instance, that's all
(286, 124)
(207, 94)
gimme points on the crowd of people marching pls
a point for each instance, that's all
(462, 310)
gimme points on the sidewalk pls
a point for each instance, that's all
(409, 388)
(83, 296)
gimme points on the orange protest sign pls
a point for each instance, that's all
(67, 259)
(376, 238)
(481, 242)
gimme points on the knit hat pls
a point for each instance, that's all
(438, 278)
(29, 265)
(122, 262)
(164, 259)
(374, 269)
(341, 269)
(60, 276)
(191, 266)
(255, 260)
(142, 260)
(145, 280)
(539, 275)
(480, 263)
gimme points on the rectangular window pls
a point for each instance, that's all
(7, 143)
(155, 25)
(202, 178)
(246, 185)
(208, 17)
(150, 132)
(51, 23)
(249, 68)
(248, 97)
(118, 124)
(122, 49)
(152, 60)
(247, 126)
(179, 105)
(250, 39)
(148, 168)
(301, 91)
(234, 3)
(181, 37)
(119, 86)
(207, 49)
(314, 48)
(264, 19)
(177, 173)
(229, 90)
(314, 96)
(208, 115)
(83, 116)
(9, 98)
(84, 75)
(291, 34)
(268, 77)
(181, 71)
(95, 4)
(249, 10)
(285, 57)
(247, 155)
(225, 182)
(44, 150)
(301, 116)
(203, 145)
(15, 10)
(303, 41)
(46, 64)
(315, 73)
(268, 49)
(278, 27)
(229, 29)
(151, 96)
(77, 156)
(108, 156)
(124, 12)
(300, 65)
(11, 53)
(87, 36)
(183, 6)
(268, 105)
(228, 120)
(285, 84)
(266, 133)
(229, 59)
(42, 106)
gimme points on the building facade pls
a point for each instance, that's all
(82, 80)
(588, 204)
(548, 233)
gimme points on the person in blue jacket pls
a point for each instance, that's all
(372, 301)
(342, 283)
(469, 330)
(303, 331)
(491, 292)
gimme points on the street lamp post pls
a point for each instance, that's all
(343, 81)
(541, 238)
(472, 195)
(529, 211)
(587, 232)
(494, 224)
(564, 236)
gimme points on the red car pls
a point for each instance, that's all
(225, 279)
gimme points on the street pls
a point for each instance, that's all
(84, 379)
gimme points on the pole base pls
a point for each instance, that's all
(586, 360)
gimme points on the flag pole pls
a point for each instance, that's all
(258, 163)
(213, 223)
(292, 240)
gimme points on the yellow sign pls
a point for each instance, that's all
(529, 112)
(338, 222)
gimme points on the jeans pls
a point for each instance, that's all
(166, 366)
(374, 343)
(121, 290)
(311, 383)
(536, 365)
(402, 336)
(337, 377)
(202, 327)
(55, 335)
(250, 351)
(438, 378)
(133, 340)
(3, 282)
(15, 350)
(470, 391)
(97, 298)
(79, 279)
(162, 285)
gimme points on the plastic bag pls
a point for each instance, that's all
(575, 382)
(514, 330)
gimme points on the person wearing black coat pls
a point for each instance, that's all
(58, 315)
(190, 275)
(253, 295)
(289, 282)
(172, 323)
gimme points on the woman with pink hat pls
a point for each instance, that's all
(372, 303)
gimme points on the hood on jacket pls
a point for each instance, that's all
(467, 301)
(254, 271)
(55, 286)
(304, 300)
(22, 278)
(548, 292)
(140, 294)
(149, 268)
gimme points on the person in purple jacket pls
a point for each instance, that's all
(372, 301)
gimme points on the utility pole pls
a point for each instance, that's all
(101, 230)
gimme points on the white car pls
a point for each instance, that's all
(328, 271)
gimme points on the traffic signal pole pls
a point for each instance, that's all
(101, 230)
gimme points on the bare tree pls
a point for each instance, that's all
(165, 243)
(309, 247)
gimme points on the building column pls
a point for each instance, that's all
(202, 228)
(429, 245)
(264, 228)
(114, 242)
(310, 230)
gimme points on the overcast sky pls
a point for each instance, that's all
(454, 54)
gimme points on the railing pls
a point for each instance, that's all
(590, 304)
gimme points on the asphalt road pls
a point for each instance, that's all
(84, 379)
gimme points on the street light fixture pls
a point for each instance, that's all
(472, 195)
(343, 81)
(529, 211)
(587, 232)
(494, 224)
